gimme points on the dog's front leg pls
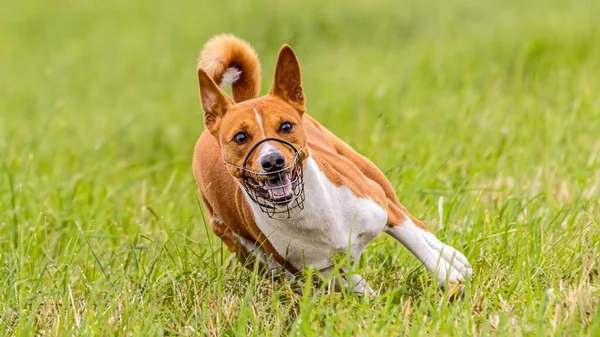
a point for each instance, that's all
(250, 252)
(446, 263)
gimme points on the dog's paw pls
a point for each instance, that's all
(451, 266)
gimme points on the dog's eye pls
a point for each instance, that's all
(286, 127)
(240, 137)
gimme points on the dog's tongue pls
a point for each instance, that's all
(279, 188)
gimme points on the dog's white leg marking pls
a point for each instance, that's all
(354, 282)
(445, 262)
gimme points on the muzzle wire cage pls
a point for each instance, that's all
(274, 200)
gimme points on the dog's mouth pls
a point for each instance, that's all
(278, 194)
(277, 189)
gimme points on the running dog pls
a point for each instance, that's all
(280, 188)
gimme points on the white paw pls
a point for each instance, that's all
(445, 262)
(450, 265)
(354, 283)
(361, 287)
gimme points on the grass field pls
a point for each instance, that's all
(485, 116)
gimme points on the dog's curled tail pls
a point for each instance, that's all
(230, 61)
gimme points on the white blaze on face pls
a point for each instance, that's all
(259, 121)
(275, 188)
(266, 149)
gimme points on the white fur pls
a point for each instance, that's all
(259, 121)
(266, 149)
(443, 261)
(333, 221)
(230, 76)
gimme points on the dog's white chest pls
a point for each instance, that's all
(333, 221)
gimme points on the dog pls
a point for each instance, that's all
(281, 190)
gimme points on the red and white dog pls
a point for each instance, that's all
(280, 188)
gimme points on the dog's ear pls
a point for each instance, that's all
(288, 80)
(214, 101)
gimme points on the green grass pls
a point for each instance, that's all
(484, 112)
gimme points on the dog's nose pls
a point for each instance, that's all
(271, 162)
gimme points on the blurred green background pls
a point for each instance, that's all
(485, 115)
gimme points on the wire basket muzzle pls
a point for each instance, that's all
(279, 194)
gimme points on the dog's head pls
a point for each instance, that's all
(262, 140)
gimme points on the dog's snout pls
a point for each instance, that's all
(272, 161)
